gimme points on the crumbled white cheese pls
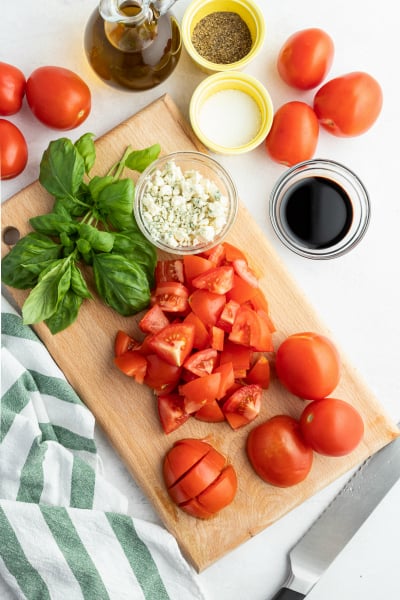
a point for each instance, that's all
(183, 209)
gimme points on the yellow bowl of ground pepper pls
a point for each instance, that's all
(223, 35)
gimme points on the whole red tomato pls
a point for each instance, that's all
(198, 478)
(278, 453)
(331, 426)
(308, 365)
(58, 97)
(294, 133)
(305, 58)
(12, 89)
(349, 105)
(13, 150)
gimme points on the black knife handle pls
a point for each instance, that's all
(287, 594)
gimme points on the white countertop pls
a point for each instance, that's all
(357, 295)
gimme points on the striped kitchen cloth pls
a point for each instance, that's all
(65, 533)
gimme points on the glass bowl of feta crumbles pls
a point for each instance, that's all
(185, 202)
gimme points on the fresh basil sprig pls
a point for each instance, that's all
(91, 223)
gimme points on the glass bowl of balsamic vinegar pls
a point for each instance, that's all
(319, 209)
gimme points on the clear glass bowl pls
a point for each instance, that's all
(349, 186)
(176, 220)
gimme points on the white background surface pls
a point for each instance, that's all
(357, 295)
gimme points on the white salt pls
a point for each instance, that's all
(230, 118)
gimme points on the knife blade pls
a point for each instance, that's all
(340, 521)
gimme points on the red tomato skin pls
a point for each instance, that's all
(349, 105)
(308, 365)
(58, 97)
(12, 89)
(305, 58)
(331, 426)
(293, 137)
(13, 150)
(278, 453)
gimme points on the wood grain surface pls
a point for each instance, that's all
(127, 411)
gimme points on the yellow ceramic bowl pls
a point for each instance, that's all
(246, 9)
(220, 82)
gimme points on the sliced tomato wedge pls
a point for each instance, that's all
(210, 412)
(207, 306)
(171, 411)
(201, 335)
(202, 362)
(200, 391)
(169, 270)
(195, 509)
(246, 327)
(171, 296)
(153, 320)
(228, 315)
(161, 374)
(217, 338)
(242, 291)
(264, 343)
(218, 280)
(232, 253)
(133, 364)
(259, 374)
(220, 492)
(243, 406)
(124, 342)
(216, 254)
(198, 478)
(174, 343)
(240, 356)
(183, 455)
(243, 270)
(227, 378)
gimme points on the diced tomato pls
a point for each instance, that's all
(171, 411)
(217, 338)
(259, 373)
(228, 315)
(201, 335)
(243, 406)
(240, 356)
(265, 343)
(210, 412)
(174, 343)
(227, 378)
(243, 270)
(242, 291)
(218, 280)
(194, 265)
(153, 320)
(169, 270)
(202, 362)
(216, 254)
(250, 328)
(259, 302)
(207, 306)
(161, 374)
(124, 342)
(200, 391)
(171, 296)
(133, 364)
(232, 253)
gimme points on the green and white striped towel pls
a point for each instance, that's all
(64, 531)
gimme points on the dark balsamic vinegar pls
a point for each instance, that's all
(317, 212)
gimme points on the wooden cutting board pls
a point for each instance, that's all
(127, 411)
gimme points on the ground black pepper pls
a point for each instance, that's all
(222, 37)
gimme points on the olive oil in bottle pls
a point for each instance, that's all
(137, 52)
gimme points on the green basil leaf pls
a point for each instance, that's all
(87, 150)
(78, 283)
(67, 312)
(123, 285)
(115, 202)
(39, 268)
(62, 169)
(97, 184)
(139, 160)
(102, 241)
(136, 248)
(83, 246)
(32, 249)
(52, 224)
(69, 206)
(45, 297)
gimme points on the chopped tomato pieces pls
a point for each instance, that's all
(171, 411)
(202, 362)
(243, 406)
(153, 320)
(218, 280)
(174, 343)
(133, 364)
